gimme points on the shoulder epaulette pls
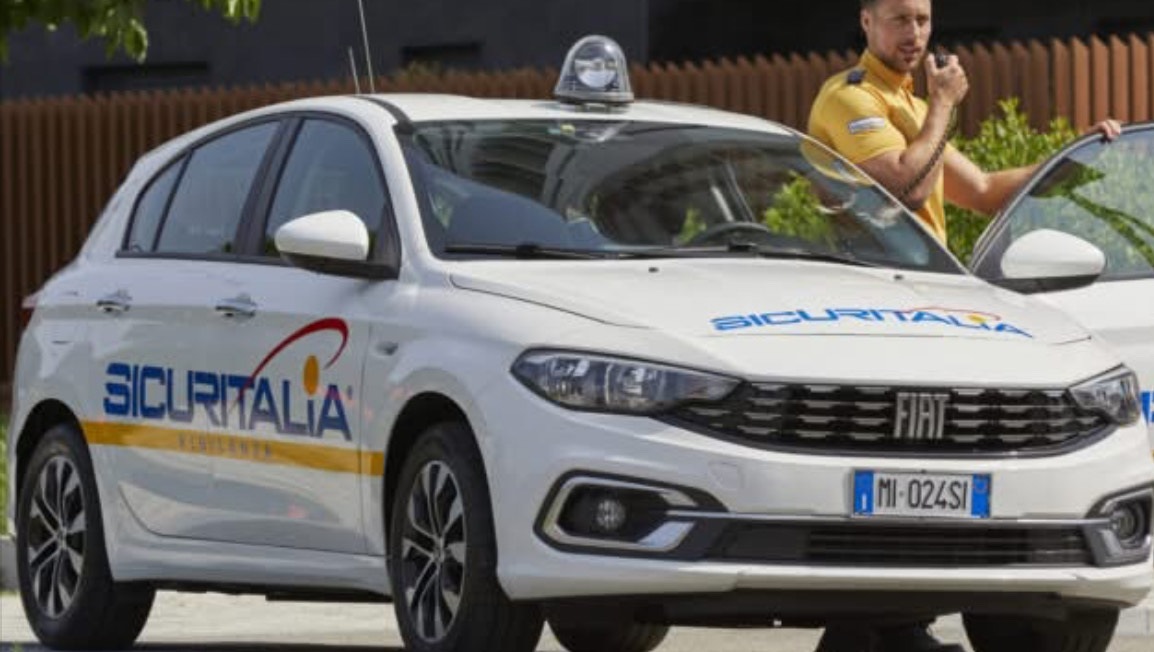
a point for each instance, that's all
(855, 76)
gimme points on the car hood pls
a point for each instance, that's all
(735, 298)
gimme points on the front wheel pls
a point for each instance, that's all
(610, 637)
(1081, 631)
(443, 553)
(66, 586)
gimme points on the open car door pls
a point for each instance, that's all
(1102, 193)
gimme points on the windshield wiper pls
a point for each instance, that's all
(534, 251)
(525, 250)
(743, 248)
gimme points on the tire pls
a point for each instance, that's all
(441, 514)
(1081, 631)
(615, 637)
(67, 589)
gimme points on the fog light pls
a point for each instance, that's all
(1128, 521)
(611, 515)
(1120, 533)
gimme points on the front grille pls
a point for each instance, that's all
(862, 419)
(902, 546)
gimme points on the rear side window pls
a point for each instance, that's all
(150, 211)
(207, 207)
(331, 168)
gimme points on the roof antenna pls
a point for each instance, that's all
(353, 65)
(368, 55)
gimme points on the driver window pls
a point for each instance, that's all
(1101, 193)
(331, 167)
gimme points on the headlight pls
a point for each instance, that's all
(1114, 394)
(583, 381)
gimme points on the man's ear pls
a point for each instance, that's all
(865, 20)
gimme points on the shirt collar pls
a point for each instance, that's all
(889, 76)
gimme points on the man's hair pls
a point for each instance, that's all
(868, 4)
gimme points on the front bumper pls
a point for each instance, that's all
(530, 445)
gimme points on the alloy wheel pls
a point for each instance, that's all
(433, 551)
(57, 528)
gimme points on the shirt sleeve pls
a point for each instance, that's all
(857, 125)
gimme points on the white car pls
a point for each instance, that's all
(615, 365)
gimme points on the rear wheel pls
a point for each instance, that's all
(612, 637)
(66, 587)
(443, 553)
(1081, 631)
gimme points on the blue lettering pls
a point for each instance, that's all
(756, 320)
(263, 407)
(333, 415)
(209, 396)
(1006, 328)
(155, 411)
(1148, 406)
(135, 391)
(290, 427)
(829, 316)
(239, 383)
(118, 398)
(180, 415)
(780, 318)
(900, 315)
(729, 323)
(922, 315)
(864, 315)
(162, 393)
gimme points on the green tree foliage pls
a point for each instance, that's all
(116, 22)
(795, 211)
(1005, 140)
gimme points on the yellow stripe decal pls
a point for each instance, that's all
(235, 447)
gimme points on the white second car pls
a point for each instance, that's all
(615, 365)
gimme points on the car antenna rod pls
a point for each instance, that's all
(353, 66)
(368, 54)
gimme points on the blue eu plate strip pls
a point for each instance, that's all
(980, 505)
(863, 492)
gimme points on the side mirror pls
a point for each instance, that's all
(330, 242)
(1047, 260)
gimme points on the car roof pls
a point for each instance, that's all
(427, 107)
(435, 107)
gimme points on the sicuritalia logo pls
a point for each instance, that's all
(303, 405)
(952, 318)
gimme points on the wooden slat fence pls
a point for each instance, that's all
(61, 159)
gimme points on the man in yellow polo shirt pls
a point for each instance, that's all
(870, 115)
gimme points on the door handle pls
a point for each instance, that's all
(240, 307)
(114, 304)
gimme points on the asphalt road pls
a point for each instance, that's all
(216, 623)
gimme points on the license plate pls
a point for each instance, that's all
(895, 493)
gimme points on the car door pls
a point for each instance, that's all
(301, 339)
(1101, 192)
(155, 391)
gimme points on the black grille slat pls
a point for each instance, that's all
(875, 545)
(861, 418)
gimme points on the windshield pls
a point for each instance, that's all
(618, 189)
